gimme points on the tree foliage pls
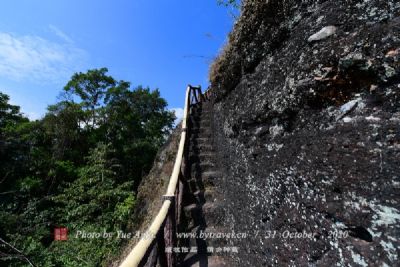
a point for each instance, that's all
(230, 3)
(77, 167)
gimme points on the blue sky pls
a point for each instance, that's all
(163, 44)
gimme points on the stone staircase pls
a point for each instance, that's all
(201, 210)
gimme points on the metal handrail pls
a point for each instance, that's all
(166, 214)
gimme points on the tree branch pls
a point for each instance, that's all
(17, 250)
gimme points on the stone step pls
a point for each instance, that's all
(209, 177)
(206, 166)
(200, 258)
(206, 163)
(202, 111)
(203, 196)
(202, 129)
(199, 118)
(204, 134)
(207, 214)
(211, 174)
(193, 186)
(197, 183)
(196, 137)
(211, 261)
(202, 149)
(199, 196)
(192, 241)
(199, 130)
(217, 242)
(202, 142)
(203, 156)
(190, 209)
(199, 125)
(213, 212)
(194, 215)
(201, 121)
(202, 139)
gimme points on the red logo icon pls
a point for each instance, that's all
(61, 233)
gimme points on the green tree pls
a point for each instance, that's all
(12, 150)
(20, 187)
(141, 117)
(91, 87)
(63, 125)
(135, 122)
(9, 114)
(94, 202)
(79, 166)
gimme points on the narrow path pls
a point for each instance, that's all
(199, 200)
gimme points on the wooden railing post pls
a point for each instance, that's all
(170, 234)
(153, 256)
(201, 96)
(195, 97)
(179, 198)
(195, 94)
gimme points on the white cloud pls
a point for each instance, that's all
(33, 116)
(61, 34)
(178, 113)
(36, 59)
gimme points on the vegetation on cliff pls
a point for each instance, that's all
(78, 167)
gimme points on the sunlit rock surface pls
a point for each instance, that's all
(308, 133)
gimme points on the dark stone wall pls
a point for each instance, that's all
(307, 130)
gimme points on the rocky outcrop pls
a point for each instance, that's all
(307, 130)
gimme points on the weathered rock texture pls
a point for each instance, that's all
(307, 131)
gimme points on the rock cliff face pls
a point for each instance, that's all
(306, 125)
